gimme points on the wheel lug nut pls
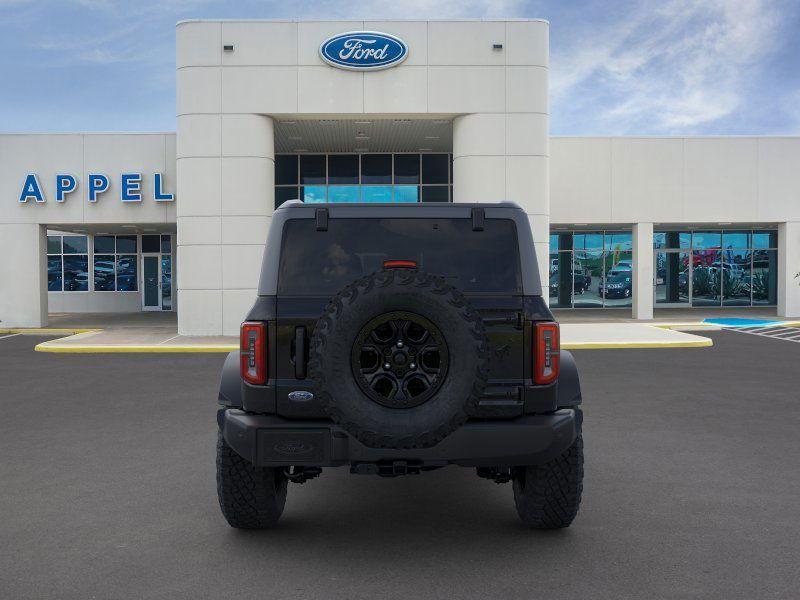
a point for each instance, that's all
(413, 366)
(400, 344)
(387, 366)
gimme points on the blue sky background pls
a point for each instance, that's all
(617, 68)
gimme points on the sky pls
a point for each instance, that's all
(633, 67)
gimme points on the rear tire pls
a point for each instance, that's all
(548, 496)
(250, 497)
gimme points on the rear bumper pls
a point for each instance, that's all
(267, 440)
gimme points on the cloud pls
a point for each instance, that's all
(674, 68)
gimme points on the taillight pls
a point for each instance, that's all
(546, 351)
(399, 264)
(253, 352)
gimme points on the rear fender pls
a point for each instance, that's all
(569, 384)
(230, 383)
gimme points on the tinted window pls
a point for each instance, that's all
(286, 169)
(54, 244)
(316, 262)
(54, 273)
(75, 244)
(343, 168)
(376, 168)
(406, 168)
(126, 273)
(434, 168)
(76, 273)
(104, 272)
(126, 243)
(765, 239)
(312, 168)
(104, 244)
(151, 243)
(434, 193)
(282, 194)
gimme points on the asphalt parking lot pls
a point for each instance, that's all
(692, 491)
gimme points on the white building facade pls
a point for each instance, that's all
(459, 114)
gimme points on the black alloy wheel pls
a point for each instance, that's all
(400, 359)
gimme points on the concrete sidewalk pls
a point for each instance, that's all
(157, 332)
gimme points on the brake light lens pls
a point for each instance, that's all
(546, 352)
(253, 352)
(399, 264)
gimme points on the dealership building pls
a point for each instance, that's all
(389, 111)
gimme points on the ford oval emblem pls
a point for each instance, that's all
(363, 50)
(300, 396)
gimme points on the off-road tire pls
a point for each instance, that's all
(250, 497)
(548, 496)
(330, 366)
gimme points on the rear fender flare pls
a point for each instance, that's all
(569, 384)
(230, 382)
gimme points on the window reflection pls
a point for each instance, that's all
(721, 268)
(405, 177)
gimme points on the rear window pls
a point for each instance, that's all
(322, 262)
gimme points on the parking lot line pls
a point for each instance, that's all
(2, 337)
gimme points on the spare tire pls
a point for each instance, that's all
(397, 358)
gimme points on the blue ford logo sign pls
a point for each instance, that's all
(363, 50)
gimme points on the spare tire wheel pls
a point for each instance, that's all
(397, 357)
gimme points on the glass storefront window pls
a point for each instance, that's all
(376, 168)
(618, 281)
(706, 278)
(412, 177)
(339, 193)
(104, 244)
(587, 278)
(151, 243)
(75, 244)
(286, 169)
(104, 272)
(166, 244)
(54, 244)
(54, 276)
(76, 273)
(284, 194)
(126, 244)
(406, 193)
(723, 268)
(736, 239)
(588, 241)
(343, 168)
(376, 193)
(126, 274)
(434, 168)
(435, 193)
(406, 168)
(618, 241)
(765, 277)
(736, 277)
(765, 239)
(312, 168)
(706, 239)
(672, 239)
(314, 193)
(671, 272)
(67, 263)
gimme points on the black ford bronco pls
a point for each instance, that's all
(398, 339)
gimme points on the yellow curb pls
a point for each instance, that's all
(704, 343)
(46, 331)
(153, 348)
